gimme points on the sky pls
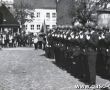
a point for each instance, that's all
(39, 3)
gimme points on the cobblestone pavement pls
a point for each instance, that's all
(29, 69)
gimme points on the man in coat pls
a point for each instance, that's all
(91, 55)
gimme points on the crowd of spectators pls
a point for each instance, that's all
(20, 40)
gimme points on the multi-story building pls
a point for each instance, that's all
(44, 13)
(42, 17)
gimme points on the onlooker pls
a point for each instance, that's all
(10, 41)
(35, 42)
(3, 41)
(40, 39)
(0, 41)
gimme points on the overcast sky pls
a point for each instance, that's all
(39, 3)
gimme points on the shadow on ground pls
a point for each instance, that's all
(78, 68)
(101, 66)
(76, 71)
(43, 55)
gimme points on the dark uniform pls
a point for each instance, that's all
(79, 49)
(91, 56)
(49, 46)
(57, 47)
(107, 40)
(102, 54)
(83, 59)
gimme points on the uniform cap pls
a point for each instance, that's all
(90, 24)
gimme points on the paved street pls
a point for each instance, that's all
(27, 69)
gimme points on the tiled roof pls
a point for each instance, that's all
(8, 18)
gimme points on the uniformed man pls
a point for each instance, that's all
(63, 47)
(107, 40)
(101, 52)
(57, 45)
(84, 64)
(49, 46)
(91, 55)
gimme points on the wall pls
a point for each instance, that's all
(103, 19)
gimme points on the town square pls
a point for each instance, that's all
(54, 44)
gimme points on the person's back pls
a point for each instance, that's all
(35, 42)
(40, 39)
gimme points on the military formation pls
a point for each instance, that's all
(88, 47)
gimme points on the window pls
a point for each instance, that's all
(38, 27)
(32, 27)
(48, 15)
(26, 27)
(32, 15)
(53, 15)
(38, 14)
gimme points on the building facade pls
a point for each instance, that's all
(42, 17)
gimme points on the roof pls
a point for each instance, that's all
(47, 4)
(8, 18)
(104, 11)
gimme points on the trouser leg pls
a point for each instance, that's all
(57, 54)
(92, 68)
(35, 45)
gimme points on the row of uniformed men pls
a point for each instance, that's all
(90, 45)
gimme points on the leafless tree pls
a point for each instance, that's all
(85, 9)
(22, 11)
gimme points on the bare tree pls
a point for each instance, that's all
(85, 9)
(104, 3)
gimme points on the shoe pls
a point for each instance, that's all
(104, 89)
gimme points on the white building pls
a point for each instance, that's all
(42, 17)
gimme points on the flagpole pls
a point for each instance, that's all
(44, 25)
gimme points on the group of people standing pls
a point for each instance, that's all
(88, 47)
(16, 40)
(39, 41)
(22, 40)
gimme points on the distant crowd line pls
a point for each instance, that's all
(20, 40)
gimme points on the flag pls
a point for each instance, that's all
(43, 29)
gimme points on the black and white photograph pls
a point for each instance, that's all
(54, 44)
